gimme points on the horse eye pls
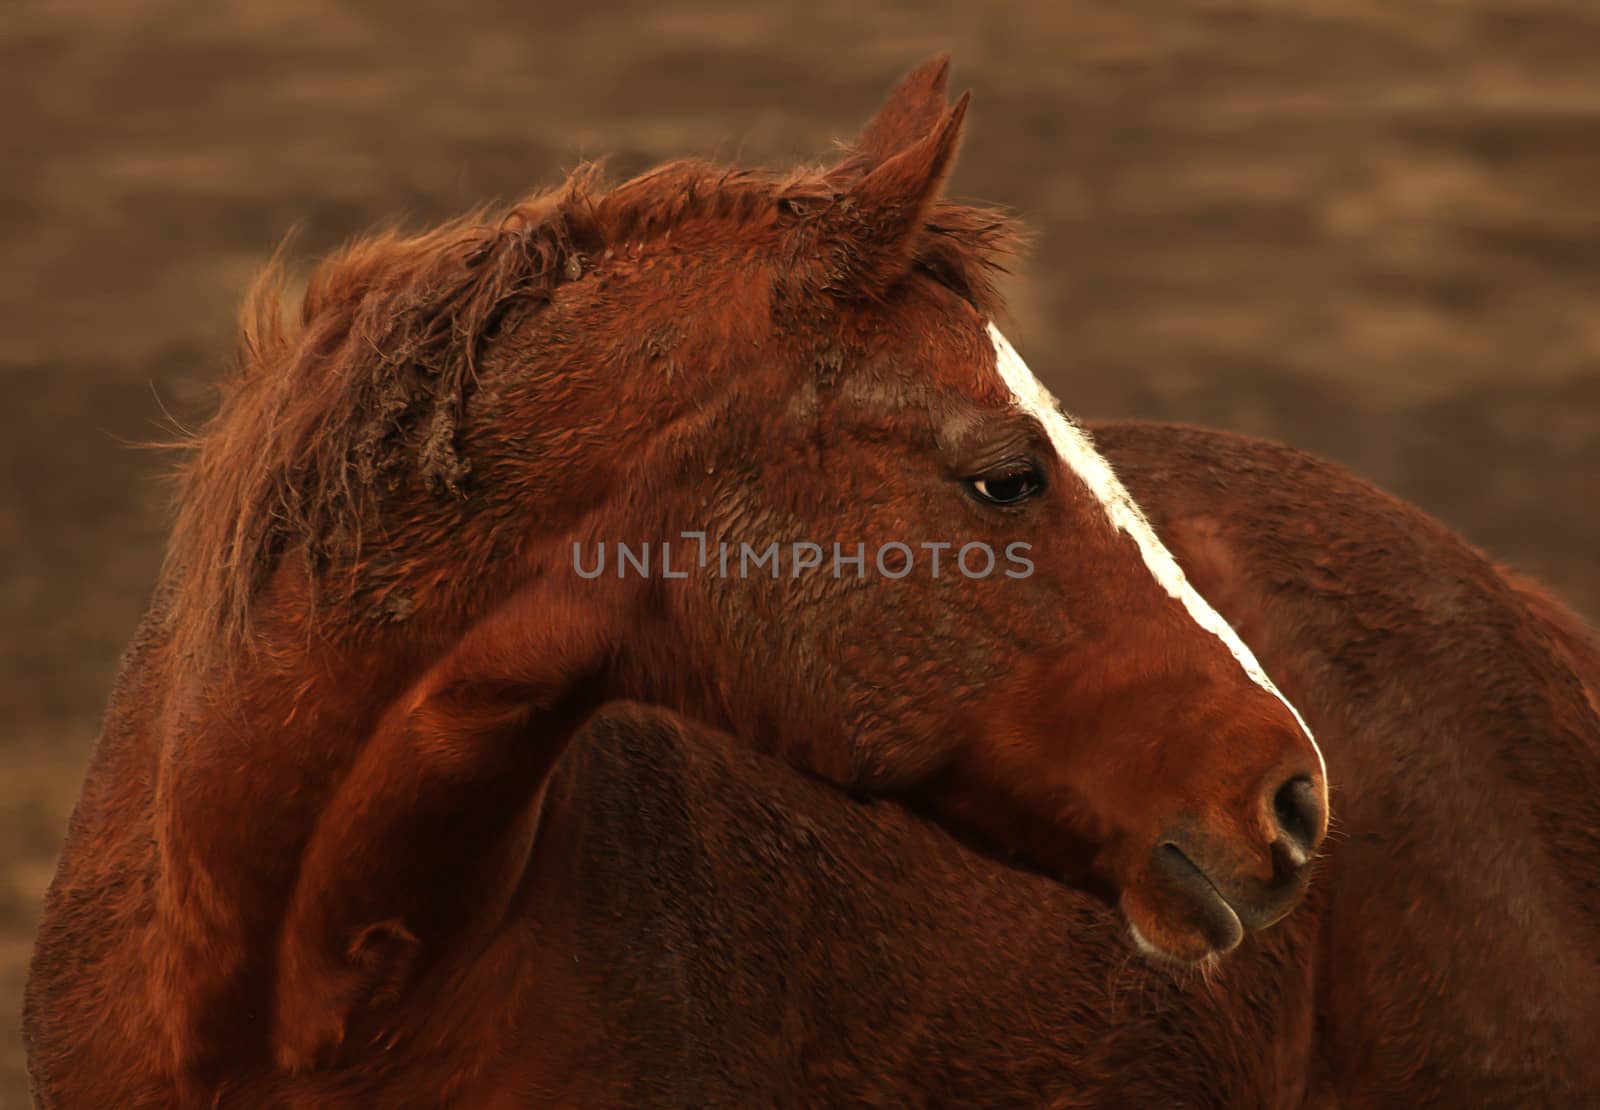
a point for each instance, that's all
(1008, 486)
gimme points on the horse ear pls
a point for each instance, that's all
(909, 113)
(881, 215)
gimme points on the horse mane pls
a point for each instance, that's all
(364, 390)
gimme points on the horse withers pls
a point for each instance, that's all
(321, 778)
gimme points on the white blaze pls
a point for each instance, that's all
(1095, 472)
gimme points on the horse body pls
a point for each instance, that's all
(702, 926)
(744, 932)
(320, 801)
(334, 845)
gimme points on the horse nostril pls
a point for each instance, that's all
(1297, 809)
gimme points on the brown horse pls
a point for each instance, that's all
(728, 933)
(310, 833)
(704, 927)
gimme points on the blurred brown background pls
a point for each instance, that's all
(1369, 228)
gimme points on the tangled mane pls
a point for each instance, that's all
(365, 390)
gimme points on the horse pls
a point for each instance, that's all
(317, 809)
(708, 927)
(732, 933)
(705, 926)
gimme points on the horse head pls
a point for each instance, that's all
(747, 445)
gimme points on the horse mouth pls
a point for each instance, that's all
(1195, 920)
(1215, 916)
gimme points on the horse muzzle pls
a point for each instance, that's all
(1201, 893)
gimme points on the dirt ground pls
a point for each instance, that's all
(1368, 228)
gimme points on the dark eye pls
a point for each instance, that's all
(1014, 483)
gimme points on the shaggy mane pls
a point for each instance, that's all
(365, 389)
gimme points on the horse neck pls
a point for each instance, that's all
(325, 657)
(247, 754)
